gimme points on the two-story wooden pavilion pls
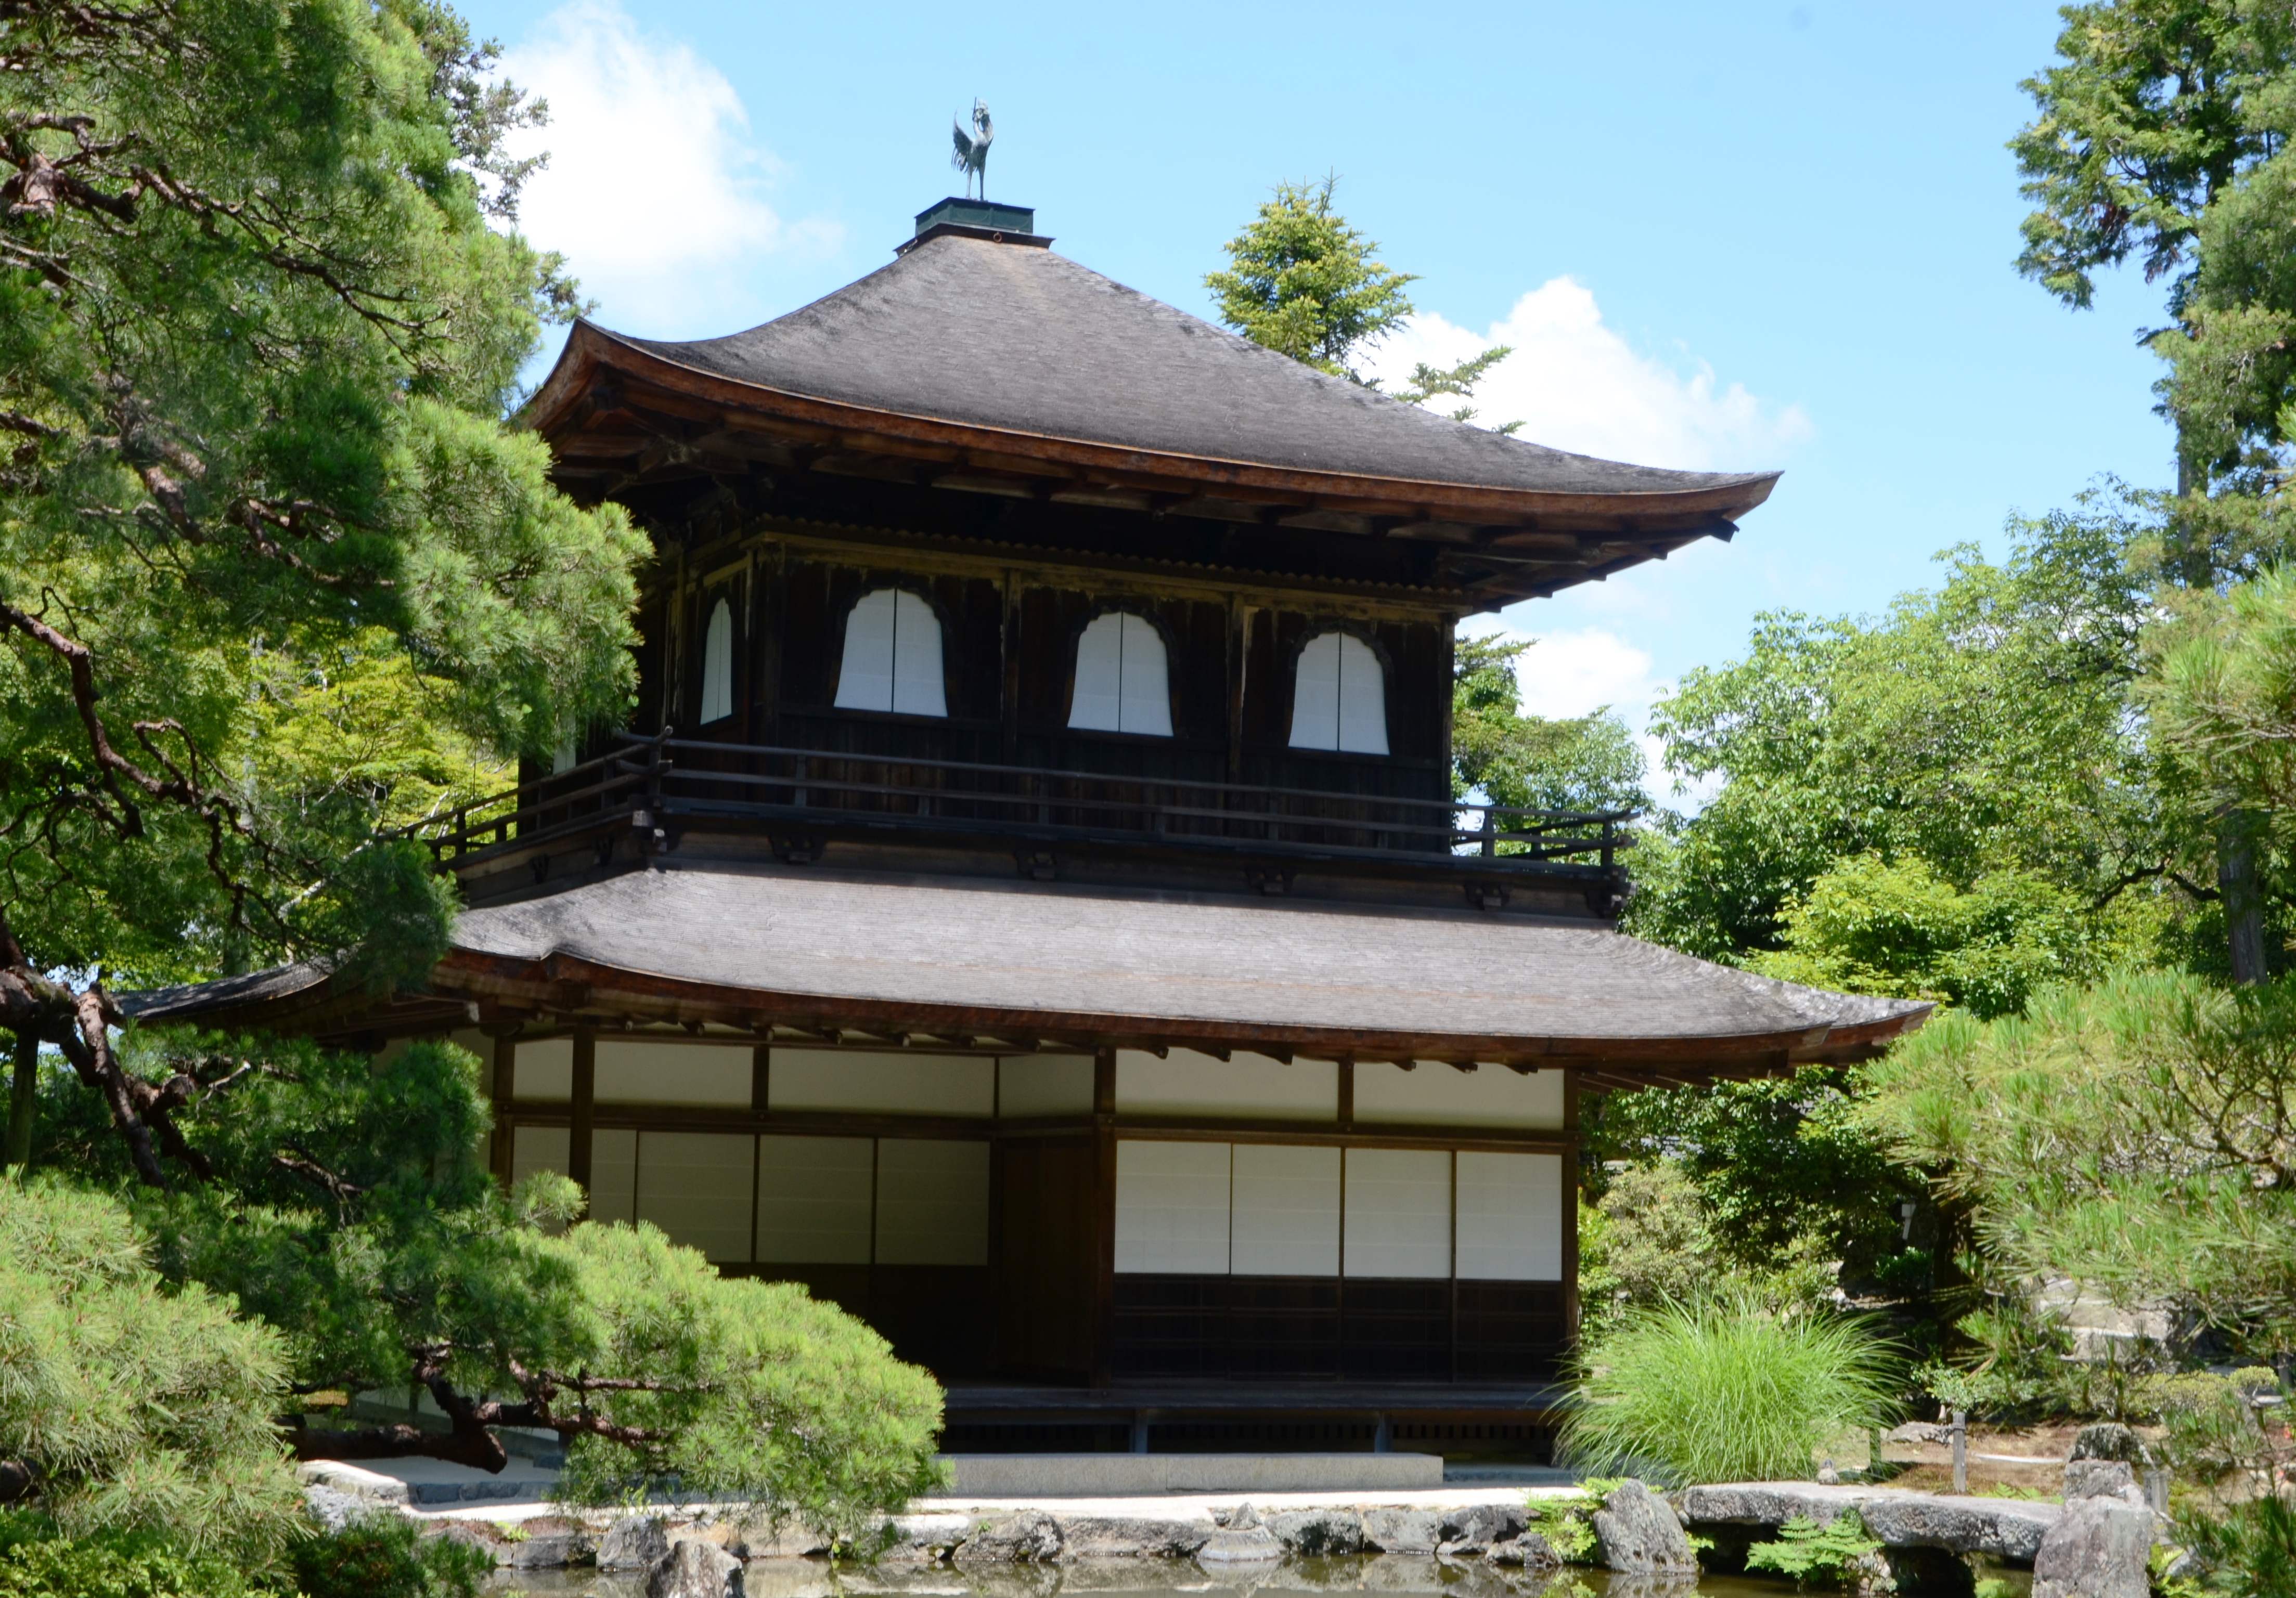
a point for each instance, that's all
(1031, 908)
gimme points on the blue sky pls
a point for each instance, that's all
(1774, 235)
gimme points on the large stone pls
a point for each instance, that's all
(1401, 1530)
(634, 1543)
(2101, 1478)
(1252, 1545)
(2100, 1549)
(1525, 1548)
(2108, 1440)
(1087, 1537)
(695, 1568)
(1640, 1535)
(1313, 1532)
(1029, 1537)
(334, 1509)
(553, 1545)
(1475, 1528)
(2004, 1528)
(921, 1539)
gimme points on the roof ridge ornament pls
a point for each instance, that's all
(972, 155)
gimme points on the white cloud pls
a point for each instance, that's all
(1590, 668)
(1577, 385)
(655, 190)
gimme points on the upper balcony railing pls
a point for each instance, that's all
(666, 782)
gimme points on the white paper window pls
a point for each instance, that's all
(814, 1200)
(1511, 1217)
(642, 1072)
(718, 665)
(1439, 1095)
(1031, 1085)
(892, 656)
(1122, 682)
(1183, 1082)
(696, 1186)
(1398, 1212)
(1338, 696)
(1286, 1217)
(542, 1072)
(836, 1079)
(932, 1203)
(614, 1175)
(1171, 1207)
(613, 1164)
(538, 1148)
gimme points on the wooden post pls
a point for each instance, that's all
(586, 1089)
(1103, 1206)
(1008, 644)
(1961, 1451)
(1570, 1307)
(505, 1090)
(1347, 1095)
(761, 1063)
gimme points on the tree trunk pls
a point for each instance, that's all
(23, 1098)
(2243, 895)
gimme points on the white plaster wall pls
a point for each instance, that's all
(1249, 1086)
(1435, 1094)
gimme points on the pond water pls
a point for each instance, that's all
(1382, 1574)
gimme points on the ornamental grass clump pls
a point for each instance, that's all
(1724, 1389)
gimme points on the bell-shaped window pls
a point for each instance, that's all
(718, 665)
(1339, 699)
(1121, 680)
(892, 656)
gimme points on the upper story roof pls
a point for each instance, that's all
(999, 366)
(1027, 342)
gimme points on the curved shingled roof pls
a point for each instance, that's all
(1016, 338)
(1029, 959)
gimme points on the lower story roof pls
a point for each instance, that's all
(765, 946)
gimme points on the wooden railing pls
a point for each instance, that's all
(665, 781)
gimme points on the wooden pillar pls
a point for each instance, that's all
(1239, 662)
(1008, 643)
(586, 1093)
(1103, 1210)
(1347, 1095)
(761, 1066)
(1570, 1179)
(505, 1089)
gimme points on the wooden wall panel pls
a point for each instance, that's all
(1044, 1269)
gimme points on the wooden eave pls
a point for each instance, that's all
(618, 418)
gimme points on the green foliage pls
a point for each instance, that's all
(1303, 282)
(351, 1209)
(2245, 1550)
(763, 1396)
(1529, 762)
(387, 1556)
(2147, 116)
(1805, 1549)
(2222, 697)
(1868, 926)
(2210, 1427)
(1644, 1242)
(1976, 739)
(1566, 1521)
(258, 448)
(2128, 1135)
(1722, 1388)
(140, 1410)
(1787, 1172)
(37, 1561)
